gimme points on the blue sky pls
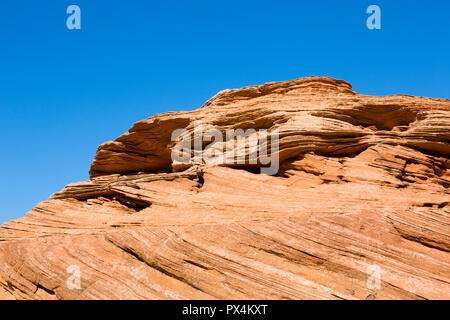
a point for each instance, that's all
(63, 92)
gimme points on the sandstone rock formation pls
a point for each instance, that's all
(362, 189)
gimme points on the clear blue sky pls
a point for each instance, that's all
(63, 93)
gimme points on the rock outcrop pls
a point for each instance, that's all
(359, 208)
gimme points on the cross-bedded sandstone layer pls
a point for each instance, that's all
(363, 184)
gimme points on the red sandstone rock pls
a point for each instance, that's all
(363, 184)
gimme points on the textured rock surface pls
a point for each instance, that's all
(363, 182)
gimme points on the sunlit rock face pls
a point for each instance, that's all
(358, 208)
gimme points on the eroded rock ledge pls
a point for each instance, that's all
(363, 182)
(320, 115)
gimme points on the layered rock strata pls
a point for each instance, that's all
(359, 208)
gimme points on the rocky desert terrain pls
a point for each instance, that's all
(359, 208)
